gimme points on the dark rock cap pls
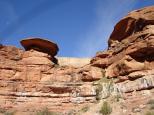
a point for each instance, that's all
(134, 22)
(39, 44)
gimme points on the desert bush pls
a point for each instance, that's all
(9, 113)
(103, 85)
(105, 109)
(2, 110)
(85, 109)
(71, 112)
(149, 113)
(152, 106)
(104, 80)
(45, 111)
(151, 101)
(5, 112)
(98, 92)
(117, 97)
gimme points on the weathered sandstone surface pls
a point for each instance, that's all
(129, 60)
(129, 52)
(30, 80)
(71, 61)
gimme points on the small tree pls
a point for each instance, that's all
(105, 109)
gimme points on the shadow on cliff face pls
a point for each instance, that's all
(144, 54)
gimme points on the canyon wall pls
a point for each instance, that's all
(31, 81)
(129, 60)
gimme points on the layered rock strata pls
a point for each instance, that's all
(129, 60)
(29, 80)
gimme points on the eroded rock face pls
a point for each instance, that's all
(132, 46)
(134, 22)
(129, 60)
(30, 80)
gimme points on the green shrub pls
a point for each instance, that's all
(105, 109)
(45, 111)
(100, 85)
(150, 113)
(2, 110)
(98, 92)
(9, 113)
(5, 112)
(104, 80)
(71, 112)
(85, 109)
(151, 101)
(152, 106)
(117, 97)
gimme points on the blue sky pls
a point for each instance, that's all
(79, 27)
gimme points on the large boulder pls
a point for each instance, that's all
(40, 45)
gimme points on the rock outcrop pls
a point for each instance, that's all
(129, 60)
(134, 22)
(132, 51)
(41, 45)
(30, 81)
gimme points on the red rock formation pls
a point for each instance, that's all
(29, 80)
(134, 22)
(130, 55)
(40, 45)
(129, 60)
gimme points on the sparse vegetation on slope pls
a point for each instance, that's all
(150, 113)
(45, 111)
(104, 88)
(105, 109)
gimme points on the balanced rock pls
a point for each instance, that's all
(41, 45)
